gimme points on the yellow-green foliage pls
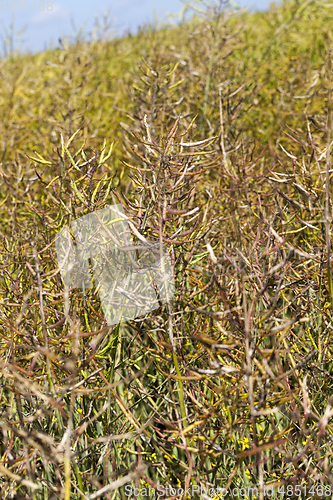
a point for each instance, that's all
(215, 136)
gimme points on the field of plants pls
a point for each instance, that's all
(215, 136)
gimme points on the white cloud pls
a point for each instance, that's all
(57, 13)
(121, 5)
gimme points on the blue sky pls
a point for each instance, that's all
(43, 27)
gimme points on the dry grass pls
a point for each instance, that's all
(215, 137)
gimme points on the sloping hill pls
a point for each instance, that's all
(215, 137)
